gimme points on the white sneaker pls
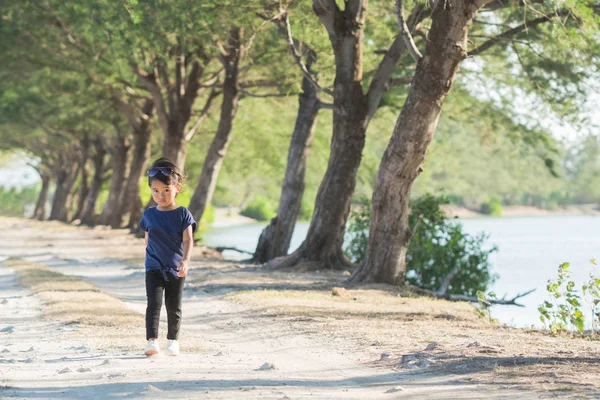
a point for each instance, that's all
(173, 348)
(152, 348)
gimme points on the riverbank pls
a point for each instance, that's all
(525, 211)
(230, 216)
(253, 333)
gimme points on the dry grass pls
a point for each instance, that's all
(378, 318)
(97, 316)
(373, 320)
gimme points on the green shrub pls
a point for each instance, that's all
(13, 201)
(260, 209)
(357, 234)
(438, 246)
(208, 217)
(306, 210)
(564, 312)
(493, 207)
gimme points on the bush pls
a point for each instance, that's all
(260, 209)
(306, 210)
(438, 246)
(208, 217)
(13, 202)
(564, 311)
(358, 233)
(492, 207)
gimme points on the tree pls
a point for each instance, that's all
(232, 55)
(275, 239)
(389, 233)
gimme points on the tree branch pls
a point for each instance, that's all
(260, 27)
(500, 4)
(475, 299)
(258, 83)
(294, 44)
(509, 34)
(150, 83)
(395, 82)
(221, 249)
(390, 61)
(405, 33)
(203, 115)
(249, 94)
(327, 10)
(192, 85)
(471, 299)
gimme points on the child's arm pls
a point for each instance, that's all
(188, 244)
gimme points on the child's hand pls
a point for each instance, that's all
(182, 269)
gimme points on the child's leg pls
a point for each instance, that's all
(173, 296)
(155, 285)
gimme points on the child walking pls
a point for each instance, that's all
(169, 241)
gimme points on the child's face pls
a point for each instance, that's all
(164, 195)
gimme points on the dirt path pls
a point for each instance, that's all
(231, 347)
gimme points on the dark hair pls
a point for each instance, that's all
(176, 178)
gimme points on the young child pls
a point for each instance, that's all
(169, 241)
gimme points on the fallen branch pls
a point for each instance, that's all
(475, 299)
(222, 249)
(472, 299)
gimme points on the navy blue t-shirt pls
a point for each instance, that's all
(165, 238)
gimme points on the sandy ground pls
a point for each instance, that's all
(249, 333)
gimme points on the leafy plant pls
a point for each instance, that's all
(563, 312)
(484, 305)
(492, 207)
(306, 210)
(13, 201)
(438, 246)
(358, 232)
(260, 209)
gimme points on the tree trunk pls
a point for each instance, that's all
(84, 190)
(218, 148)
(275, 239)
(118, 163)
(40, 206)
(66, 175)
(141, 155)
(88, 214)
(84, 187)
(175, 147)
(323, 244)
(389, 233)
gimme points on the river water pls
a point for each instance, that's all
(530, 249)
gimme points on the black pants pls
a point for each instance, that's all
(173, 288)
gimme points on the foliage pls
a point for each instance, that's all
(492, 207)
(484, 306)
(438, 246)
(64, 61)
(13, 201)
(357, 233)
(260, 208)
(306, 210)
(564, 311)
